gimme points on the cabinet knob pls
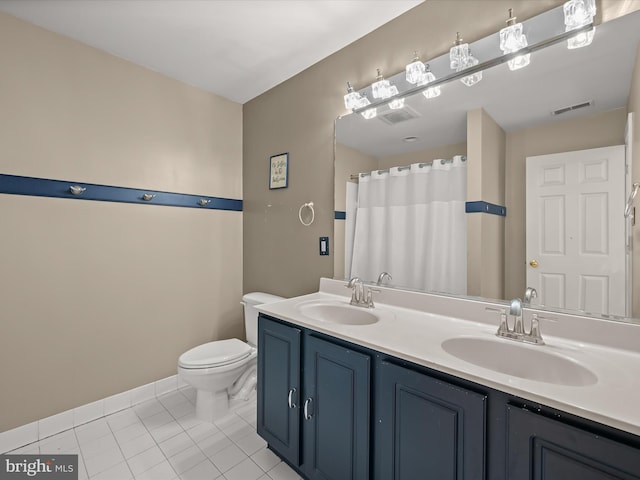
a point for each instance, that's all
(307, 415)
(290, 398)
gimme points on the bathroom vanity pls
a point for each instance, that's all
(406, 391)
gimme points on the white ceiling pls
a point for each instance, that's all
(235, 48)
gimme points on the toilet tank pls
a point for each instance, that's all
(250, 301)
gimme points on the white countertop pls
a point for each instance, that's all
(416, 334)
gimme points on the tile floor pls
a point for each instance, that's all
(162, 440)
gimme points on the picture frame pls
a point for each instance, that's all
(279, 171)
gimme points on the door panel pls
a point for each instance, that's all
(279, 374)
(576, 230)
(540, 448)
(427, 429)
(336, 437)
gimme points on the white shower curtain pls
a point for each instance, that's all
(410, 222)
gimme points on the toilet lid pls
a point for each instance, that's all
(221, 352)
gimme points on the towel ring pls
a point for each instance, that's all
(313, 213)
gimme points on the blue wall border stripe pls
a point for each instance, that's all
(340, 215)
(43, 187)
(485, 207)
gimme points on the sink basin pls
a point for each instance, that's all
(520, 360)
(338, 313)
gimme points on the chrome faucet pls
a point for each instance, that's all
(518, 332)
(359, 297)
(382, 276)
(529, 294)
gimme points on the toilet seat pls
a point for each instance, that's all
(215, 354)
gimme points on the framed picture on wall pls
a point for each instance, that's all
(279, 171)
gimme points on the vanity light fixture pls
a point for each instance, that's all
(381, 88)
(396, 103)
(429, 77)
(579, 13)
(415, 71)
(512, 40)
(460, 58)
(369, 113)
(352, 99)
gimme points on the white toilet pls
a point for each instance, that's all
(225, 369)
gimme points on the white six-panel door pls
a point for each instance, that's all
(576, 229)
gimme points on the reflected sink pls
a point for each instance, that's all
(344, 314)
(520, 360)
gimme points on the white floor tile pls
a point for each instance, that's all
(145, 460)
(283, 472)
(265, 459)
(123, 419)
(187, 459)
(239, 430)
(149, 408)
(228, 458)
(190, 394)
(214, 443)
(166, 431)
(176, 444)
(204, 470)
(202, 431)
(103, 461)
(32, 449)
(98, 446)
(189, 421)
(119, 472)
(181, 409)
(157, 420)
(137, 445)
(64, 442)
(131, 432)
(162, 471)
(92, 430)
(173, 398)
(245, 470)
(251, 443)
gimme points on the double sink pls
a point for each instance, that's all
(545, 364)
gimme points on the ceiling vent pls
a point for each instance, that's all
(577, 106)
(393, 117)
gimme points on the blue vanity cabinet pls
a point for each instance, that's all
(336, 411)
(279, 387)
(427, 428)
(540, 448)
(321, 429)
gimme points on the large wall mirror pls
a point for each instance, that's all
(589, 91)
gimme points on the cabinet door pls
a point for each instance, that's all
(279, 388)
(426, 428)
(543, 448)
(336, 417)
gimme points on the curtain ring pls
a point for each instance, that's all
(313, 213)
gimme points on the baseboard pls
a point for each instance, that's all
(46, 427)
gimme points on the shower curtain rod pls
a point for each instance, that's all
(355, 176)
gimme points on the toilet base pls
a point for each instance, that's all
(211, 406)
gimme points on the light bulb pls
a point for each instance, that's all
(381, 88)
(396, 103)
(511, 40)
(429, 77)
(415, 71)
(578, 13)
(369, 114)
(459, 54)
(351, 99)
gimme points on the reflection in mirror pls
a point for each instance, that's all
(505, 127)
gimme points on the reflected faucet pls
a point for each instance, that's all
(529, 294)
(382, 276)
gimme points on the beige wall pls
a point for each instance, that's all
(634, 106)
(280, 255)
(485, 182)
(588, 131)
(100, 297)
